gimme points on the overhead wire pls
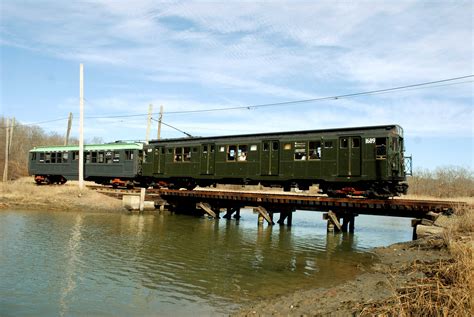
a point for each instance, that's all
(424, 85)
(284, 103)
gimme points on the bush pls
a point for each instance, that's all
(449, 181)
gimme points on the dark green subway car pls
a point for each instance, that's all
(365, 161)
(112, 163)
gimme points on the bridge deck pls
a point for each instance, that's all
(286, 201)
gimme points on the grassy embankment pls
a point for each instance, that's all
(25, 194)
(448, 285)
(446, 288)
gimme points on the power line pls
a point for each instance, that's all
(371, 92)
(37, 123)
(424, 85)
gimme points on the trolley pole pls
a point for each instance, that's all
(81, 127)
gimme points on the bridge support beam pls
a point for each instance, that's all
(334, 224)
(231, 211)
(288, 215)
(208, 209)
(264, 214)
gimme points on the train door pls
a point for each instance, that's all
(159, 160)
(270, 154)
(207, 158)
(349, 156)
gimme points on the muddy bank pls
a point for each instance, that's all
(25, 194)
(398, 265)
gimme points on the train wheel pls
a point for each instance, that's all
(190, 186)
(47, 180)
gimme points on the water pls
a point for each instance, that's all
(58, 263)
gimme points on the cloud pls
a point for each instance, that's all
(194, 55)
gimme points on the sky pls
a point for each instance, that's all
(190, 56)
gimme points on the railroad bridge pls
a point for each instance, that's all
(340, 213)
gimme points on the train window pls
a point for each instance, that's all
(222, 149)
(315, 150)
(162, 150)
(116, 157)
(33, 156)
(195, 149)
(381, 148)
(42, 157)
(187, 154)
(253, 147)
(88, 157)
(343, 143)
(213, 148)
(231, 152)
(94, 157)
(178, 154)
(300, 151)
(287, 146)
(108, 157)
(242, 153)
(145, 155)
(101, 157)
(395, 144)
(128, 155)
(328, 145)
(65, 157)
(204, 149)
(170, 151)
(266, 146)
(355, 143)
(276, 145)
(53, 157)
(59, 157)
(75, 155)
(47, 158)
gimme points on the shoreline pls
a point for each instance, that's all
(357, 296)
(398, 268)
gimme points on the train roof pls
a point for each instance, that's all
(90, 147)
(285, 133)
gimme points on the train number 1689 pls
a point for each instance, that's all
(369, 140)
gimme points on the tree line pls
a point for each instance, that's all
(25, 138)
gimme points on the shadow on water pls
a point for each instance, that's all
(168, 264)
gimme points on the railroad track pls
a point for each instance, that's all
(397, 207)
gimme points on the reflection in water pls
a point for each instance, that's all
(72, 270)
(167, 264)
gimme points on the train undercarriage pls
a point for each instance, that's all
(376, 189)
(379, 189)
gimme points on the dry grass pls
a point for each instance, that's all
(443, 182)
(25, 193)
(447, 286)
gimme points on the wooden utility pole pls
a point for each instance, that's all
(159, 122)
(12, 124)
(81, 127)
(148, 126)
(7, 148)
(69, 123)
